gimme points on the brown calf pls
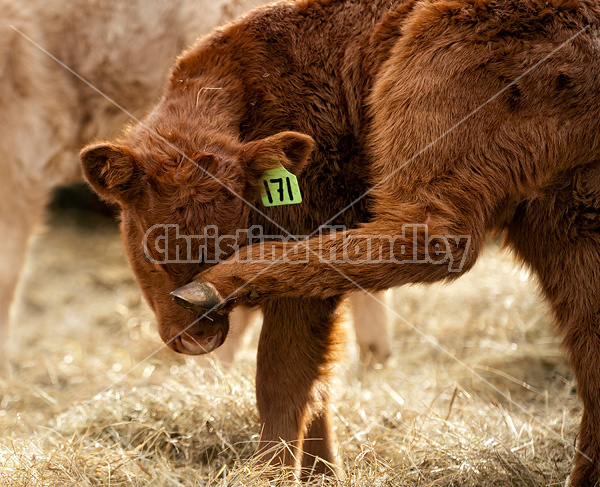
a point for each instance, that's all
(467, 116)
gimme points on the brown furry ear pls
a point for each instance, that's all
(289, 149)
(111, 171)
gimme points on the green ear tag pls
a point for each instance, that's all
(280, 188)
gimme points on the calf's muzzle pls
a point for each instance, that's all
(207, 333)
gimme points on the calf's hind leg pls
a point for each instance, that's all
(559, 236)
(297, 348)
(371, 318)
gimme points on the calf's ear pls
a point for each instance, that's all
(111, 171)
(288, 149)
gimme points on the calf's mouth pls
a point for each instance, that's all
(208, 332)
(191, 345)
(201, 338)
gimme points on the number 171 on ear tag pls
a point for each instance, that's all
(279, 188)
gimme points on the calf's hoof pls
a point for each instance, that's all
(374, 355)
(200, 297)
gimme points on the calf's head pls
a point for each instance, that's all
(175, 201)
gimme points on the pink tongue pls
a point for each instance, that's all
(200, 347)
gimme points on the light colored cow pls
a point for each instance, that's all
(124, 49)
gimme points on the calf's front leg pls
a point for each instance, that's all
(382, 258)
(297, 349)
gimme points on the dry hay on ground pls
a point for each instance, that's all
(69, 416)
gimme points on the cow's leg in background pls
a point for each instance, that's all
(16, 227)
(371, 318)
(298, 345)
(559, 237)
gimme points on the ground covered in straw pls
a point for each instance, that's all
(95, 400)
